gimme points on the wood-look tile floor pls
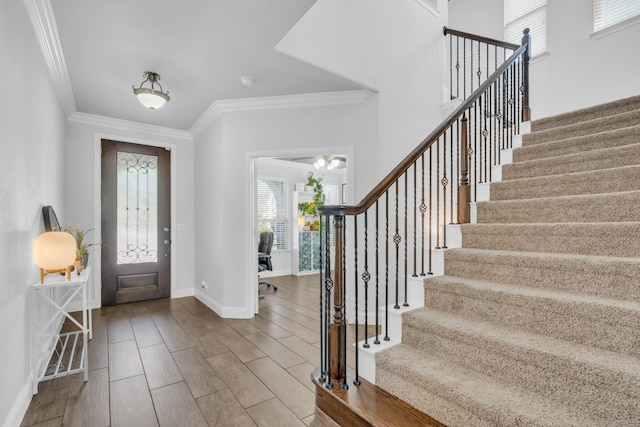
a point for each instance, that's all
(174, 362)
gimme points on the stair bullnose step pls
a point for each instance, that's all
(604, 323)
(595, 381)
(458, 396)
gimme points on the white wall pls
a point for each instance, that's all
(32, 138)
(83, 184)
(580, 71)
(225, 236)
(393, 47)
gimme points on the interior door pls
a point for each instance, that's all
(136, 233)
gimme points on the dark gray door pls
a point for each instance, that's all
(136, 234)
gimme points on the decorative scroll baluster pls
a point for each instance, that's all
(386, 265)
(444, 182)
(366, 276)
(332, 360)
(430, 272)
(464, 193)
(396, 241)
(423, 210)
(415, 220)
(438, 194)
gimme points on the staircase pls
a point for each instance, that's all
(536, 321)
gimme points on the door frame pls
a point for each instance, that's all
(251, 255)
(97, 208)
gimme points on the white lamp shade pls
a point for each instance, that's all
(152, 99)
(54, 250)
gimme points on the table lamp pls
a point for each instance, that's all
(54, 252)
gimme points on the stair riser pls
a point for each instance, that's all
(592, 182)
(581, 385)
(597, 277)
(599, 125)
(599, 326)
(619, 207)
(580, 162)
(590, 113)
(617, 240)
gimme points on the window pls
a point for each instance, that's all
(521, 14)
(609, 12)
(273, 214)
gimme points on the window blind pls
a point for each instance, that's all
(521, 14)
(273, 214)
(610, 12)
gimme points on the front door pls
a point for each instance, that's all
(136, 234)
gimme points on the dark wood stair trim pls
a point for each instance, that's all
(367, 405)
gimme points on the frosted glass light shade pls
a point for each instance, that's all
(152, 99)
(54, 251)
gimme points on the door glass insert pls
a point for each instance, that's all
(137, 208)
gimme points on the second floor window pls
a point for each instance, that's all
(521, 14)
(609, 12)
(273, 213)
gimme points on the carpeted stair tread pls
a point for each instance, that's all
(589, 113)
(591, 379)
(615, 207)
(578, 144)
(585, 127)
(624, 178)
(576, 162)
(607, 277)
(609, 324)
(462, 397)
(616, 239)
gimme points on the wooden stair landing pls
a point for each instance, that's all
(367, 405)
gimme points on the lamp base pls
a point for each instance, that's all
(44, 272)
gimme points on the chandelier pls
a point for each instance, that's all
(328, 162)
(149, 96)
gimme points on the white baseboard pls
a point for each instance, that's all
(222, 311)
(20, 406)
(181, 293)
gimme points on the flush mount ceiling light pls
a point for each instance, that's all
(247, 80)
(328, 162)
(149, 96)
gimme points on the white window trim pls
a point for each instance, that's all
(619, 26)
(287, 218)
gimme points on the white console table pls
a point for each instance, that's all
(57, 354)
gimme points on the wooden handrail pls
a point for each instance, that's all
(415, 155)
(481, 39)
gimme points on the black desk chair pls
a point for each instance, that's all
(264, 257)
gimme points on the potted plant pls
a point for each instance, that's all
(310, 208)
(82, 247)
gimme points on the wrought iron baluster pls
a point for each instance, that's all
(377, 307)
(356, 380)
(396, 241)
(423, 210)
(366, 276)
(406, 214)
(430, 272)
(415, 219)
(386, 265)
(328, 284)
(324, 327)
(453, 173)
(437, 144)
(444, 182)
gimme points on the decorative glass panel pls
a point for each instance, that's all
(137, 211)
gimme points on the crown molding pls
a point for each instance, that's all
(217, 108)
(44, 25)
(129, 126)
